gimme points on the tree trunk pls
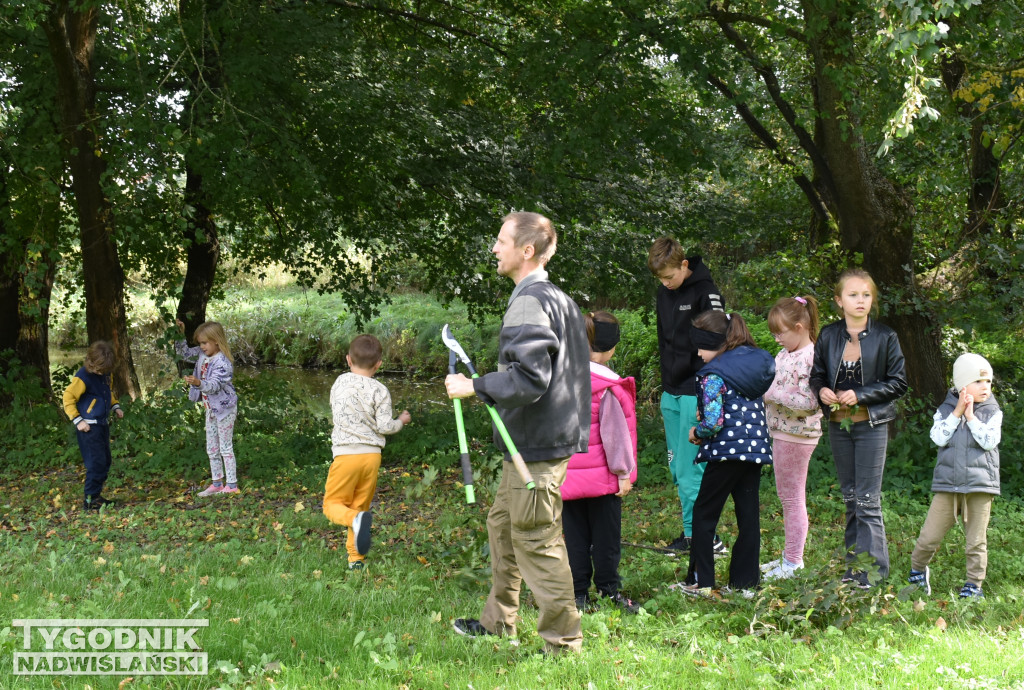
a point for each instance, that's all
(203, 251)
(26, 283)
(200, 237)
(874, 216)
(71, 34)
(986, 198)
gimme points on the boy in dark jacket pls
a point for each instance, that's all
(687, 289)
(88, 402)
(967, 429)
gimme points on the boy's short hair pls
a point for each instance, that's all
(535, 229)
(100, 358)
(666, 252)
(365, 351)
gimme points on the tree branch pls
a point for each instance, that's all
(744, 18)
(419, 18)
(762, 133)
(771, 82)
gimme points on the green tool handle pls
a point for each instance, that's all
(517, 458)
(467, 470)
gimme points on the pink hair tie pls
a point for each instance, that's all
(801, 300)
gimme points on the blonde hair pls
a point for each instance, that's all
(99, 359)
(789, 311)
(863, 275)
(213, 332)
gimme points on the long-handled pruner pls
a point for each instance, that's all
(460, 426)
(455, 350)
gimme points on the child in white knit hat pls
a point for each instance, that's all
(966, 430)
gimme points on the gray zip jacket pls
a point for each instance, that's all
(541, 388)
(964, 463)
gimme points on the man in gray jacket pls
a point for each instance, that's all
(542, 392)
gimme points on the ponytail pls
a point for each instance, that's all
(789, 311)
(732, 326)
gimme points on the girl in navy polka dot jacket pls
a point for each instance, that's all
(734, 442)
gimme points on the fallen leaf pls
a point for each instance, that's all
(299, 507)
(919, 605)
(940, 623)
(204, 579)
(245, 560)
(234, 620)
(100, 561)
(126, 681)
(108, 548)
(422, 560)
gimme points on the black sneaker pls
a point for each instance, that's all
(96, 502)
(718, 547)
(361, 526)
(583, 604)
(682, 544)
(625, 603)
(356, 565)
(470, 627)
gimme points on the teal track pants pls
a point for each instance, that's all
(679, 413)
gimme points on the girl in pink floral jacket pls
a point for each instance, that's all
(794, 419)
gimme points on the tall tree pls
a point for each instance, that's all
(805, 79)
(71, 29)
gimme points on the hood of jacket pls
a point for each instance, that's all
(748, 370)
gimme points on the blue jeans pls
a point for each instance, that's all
(679, 413)
(95, 447)
(859, 455)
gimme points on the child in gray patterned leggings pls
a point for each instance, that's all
(211, 381)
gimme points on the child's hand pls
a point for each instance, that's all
(404, 417)
(181, 325)
(83, 426)
(961, 403)
(828, 396)
(848, 398)
(624, 486)
(694, 439)
(120, 413)
(191, 380)
(969, 408)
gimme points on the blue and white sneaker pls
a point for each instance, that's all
(922, 578)
(971, 591)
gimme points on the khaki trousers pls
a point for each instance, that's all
(351, 484)
(976, 508)
(525, 531)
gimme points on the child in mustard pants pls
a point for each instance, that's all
(361, 408)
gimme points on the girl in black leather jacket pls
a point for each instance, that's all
(858, 374)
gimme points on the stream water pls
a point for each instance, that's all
(157, 372)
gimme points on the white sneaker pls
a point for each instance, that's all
(211, 490)
(783, 571)
(765, 567)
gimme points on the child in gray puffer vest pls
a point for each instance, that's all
(967, 429)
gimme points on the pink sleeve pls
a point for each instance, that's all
(618, 445)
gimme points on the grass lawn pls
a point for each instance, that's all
(268, 572)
